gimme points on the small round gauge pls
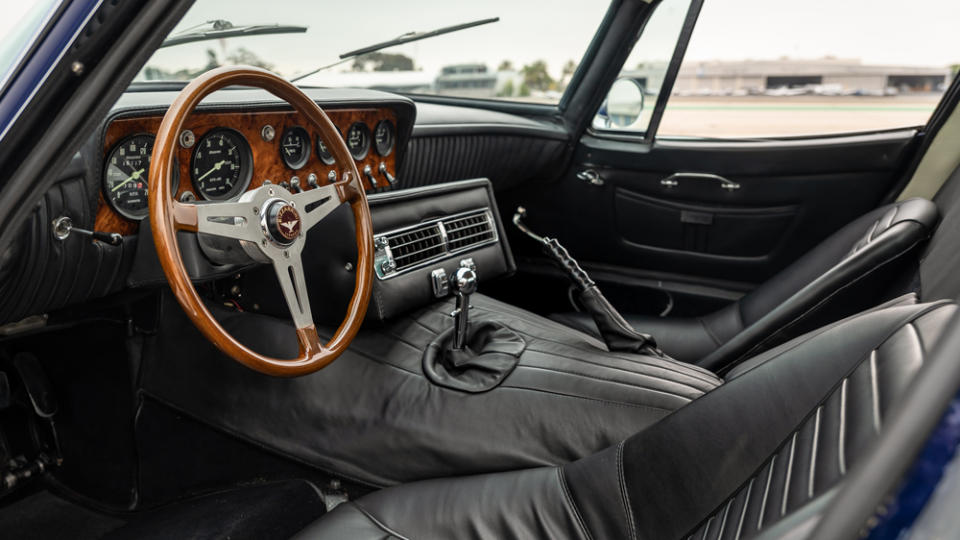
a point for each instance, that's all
(295, 147)
(383, 137)
(324, 152)
(125, 176)
(221, 165)
(358, 140)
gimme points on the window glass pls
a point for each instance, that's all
(529, 54)
(757, 68)
(644, 69)
(20, 24)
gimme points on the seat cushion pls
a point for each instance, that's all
(512, 505)
(373, 416)
(852, 270)
(770, 445)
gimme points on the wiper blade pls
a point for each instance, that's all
(416, 36)
(220, 29)
(400, 40)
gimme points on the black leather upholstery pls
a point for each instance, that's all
(771, 444)
(799, 297)
(39, 273)
(373, 416)
(270, 510)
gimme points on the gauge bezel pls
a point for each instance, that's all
(308, 142)
(327, 159)
(366, 147)
(393, 137)
(103, 177)
(246, 165)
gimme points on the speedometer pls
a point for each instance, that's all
(125, 176)
(221, 166)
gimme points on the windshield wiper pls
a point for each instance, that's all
(219, 29)
(400, 40)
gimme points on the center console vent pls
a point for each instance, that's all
(412, 247)
(467, 231)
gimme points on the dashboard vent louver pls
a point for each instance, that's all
(467, 231)
(412, 247)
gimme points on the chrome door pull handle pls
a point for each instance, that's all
(674, 180)
(591, 177)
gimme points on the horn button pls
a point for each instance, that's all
(282, 222)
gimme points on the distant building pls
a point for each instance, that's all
(828, 76)
(475, 80)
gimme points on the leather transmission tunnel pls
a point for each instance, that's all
(471, 358)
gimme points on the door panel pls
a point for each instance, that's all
(789, 196)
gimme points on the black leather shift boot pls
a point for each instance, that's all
(492, 351)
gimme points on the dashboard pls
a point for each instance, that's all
(220, 155)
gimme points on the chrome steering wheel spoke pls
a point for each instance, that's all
(235, 220)
(316, 203)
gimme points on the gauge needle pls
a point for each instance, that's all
(134, 176)
(216, 167)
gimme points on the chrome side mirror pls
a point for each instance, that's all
(623, 105)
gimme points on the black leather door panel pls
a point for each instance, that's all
(792, 194)
(736, 231)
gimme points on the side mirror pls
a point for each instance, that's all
(622, 107)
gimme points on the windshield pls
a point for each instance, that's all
(524, 51)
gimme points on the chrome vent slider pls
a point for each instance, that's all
(408, 248)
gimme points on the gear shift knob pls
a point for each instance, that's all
(464, 283)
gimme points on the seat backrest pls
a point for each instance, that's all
(940, 260)
(776, 438)
(834, 280)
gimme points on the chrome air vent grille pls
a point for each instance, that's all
(466, 231)
(412, 247)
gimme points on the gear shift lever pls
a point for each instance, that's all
(464, 283)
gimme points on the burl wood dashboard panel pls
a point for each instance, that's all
(267, 161)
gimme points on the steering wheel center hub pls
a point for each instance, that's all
(282, 222)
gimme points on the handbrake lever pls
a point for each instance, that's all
(614, 329)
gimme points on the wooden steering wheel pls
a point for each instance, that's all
(270, 224)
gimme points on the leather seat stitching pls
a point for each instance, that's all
(623, 383)
(624, 496)
(786, 326)
(665, 411)
(377, 522)
(713, 384)
(565, 489)
(709, 332)
(841, 387)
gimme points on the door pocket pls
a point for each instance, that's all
(709, 229)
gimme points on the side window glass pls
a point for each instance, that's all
(756, 69)
(630, 102)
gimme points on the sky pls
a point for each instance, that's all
(913, 32)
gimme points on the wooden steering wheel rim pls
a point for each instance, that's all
(167, 216)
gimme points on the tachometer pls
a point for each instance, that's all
(125, 176)
(295, 147)
(358, 140)
(221, 166)
(383, 137)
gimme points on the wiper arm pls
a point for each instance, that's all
(400, 40)
(220, 29)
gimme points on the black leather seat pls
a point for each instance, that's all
(764, 452)
(825, 285)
